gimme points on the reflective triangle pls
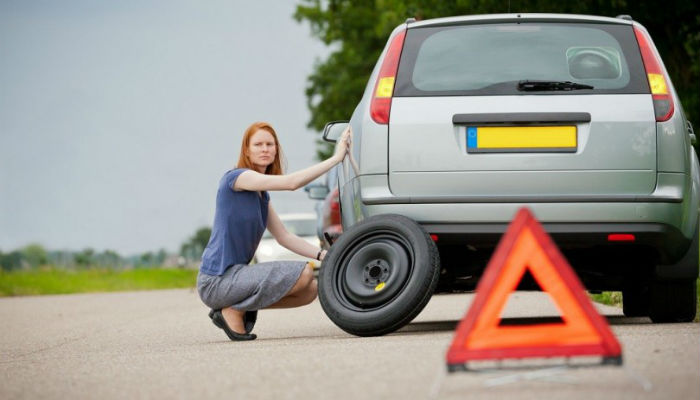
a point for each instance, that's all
(527, 247)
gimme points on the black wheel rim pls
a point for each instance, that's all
(374, 270)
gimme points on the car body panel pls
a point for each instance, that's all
(616, 153)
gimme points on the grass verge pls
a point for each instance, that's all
(609, 298)
(615, 299)
(49, 280)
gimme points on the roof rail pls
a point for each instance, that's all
(410, 20)
(625, 16)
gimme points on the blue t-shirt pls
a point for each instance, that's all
(239, 222)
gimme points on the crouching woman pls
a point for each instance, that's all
(234, 290)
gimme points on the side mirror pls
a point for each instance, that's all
(316, 191)
(333, 130)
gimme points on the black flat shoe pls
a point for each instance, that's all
(219, 320)
(249, 319)
(215, 322)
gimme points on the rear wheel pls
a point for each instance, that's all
(673, 301)
(673, 294)
(379, 275)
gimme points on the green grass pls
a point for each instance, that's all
(615, 299)
(609, 298)
(49, 280)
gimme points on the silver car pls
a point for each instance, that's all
(465, 120)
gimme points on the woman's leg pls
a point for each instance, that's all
(302, 293)
(234, 319)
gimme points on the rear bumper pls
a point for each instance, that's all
(671, 207)
(663, 222)
(670, 188)
(667, 241)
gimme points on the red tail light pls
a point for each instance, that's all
(658, 82)
(335, 200)
(384, 88)
(334, 213)
(621, 237)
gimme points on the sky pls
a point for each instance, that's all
(117, 119)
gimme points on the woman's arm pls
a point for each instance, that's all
(255, 181)
(289, 240)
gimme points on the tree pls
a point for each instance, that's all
(201, 238)
(61, 258)
(85, 258)
(146, 258)
(11, 260)
(192, 249)
(358, 31)
(35, 255)
(160, 257)
(110, 258)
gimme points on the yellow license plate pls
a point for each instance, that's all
(513, 139)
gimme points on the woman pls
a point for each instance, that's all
(233, 289)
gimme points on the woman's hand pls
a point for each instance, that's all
(342, 146)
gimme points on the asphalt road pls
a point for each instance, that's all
(160, 344)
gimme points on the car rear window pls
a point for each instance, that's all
(490, 59)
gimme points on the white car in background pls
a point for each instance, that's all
(300, 224)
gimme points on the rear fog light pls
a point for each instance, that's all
(621, 237)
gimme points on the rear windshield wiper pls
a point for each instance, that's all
(530, 86)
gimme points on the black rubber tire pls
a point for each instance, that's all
(401, 255)
(635, 301)
(673, 301)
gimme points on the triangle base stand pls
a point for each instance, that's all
(464, 367)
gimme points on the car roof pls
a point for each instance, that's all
(529, 17)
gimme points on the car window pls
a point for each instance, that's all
(490, 59)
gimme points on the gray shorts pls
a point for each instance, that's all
(249, 287)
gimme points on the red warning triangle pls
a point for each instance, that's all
(527, 247)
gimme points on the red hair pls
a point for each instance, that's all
(244, 162)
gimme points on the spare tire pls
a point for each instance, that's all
(378, 275)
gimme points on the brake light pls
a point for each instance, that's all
(621, 237)
(335, 200)
(384, 88)
(658, 82)
(334, 212)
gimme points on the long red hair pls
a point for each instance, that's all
(244, 162)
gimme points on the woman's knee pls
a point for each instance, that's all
(313, 288)
(311, 292)
(306, 277)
